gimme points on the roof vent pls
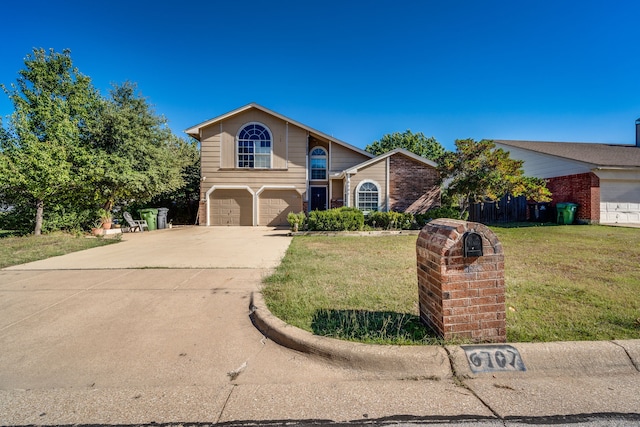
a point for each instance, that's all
(638, 133)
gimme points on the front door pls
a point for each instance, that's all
(318, 198)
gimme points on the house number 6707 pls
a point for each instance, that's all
(493, 358)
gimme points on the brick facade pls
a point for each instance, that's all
(413, 186)
(461, 297)
(583, 189)
(202, 212)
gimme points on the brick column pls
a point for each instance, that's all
(461, 297)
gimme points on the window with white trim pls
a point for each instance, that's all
(367, 196)
(318, 161)
(254, 146)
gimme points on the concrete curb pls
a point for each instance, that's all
(553, 359)
(405, 362)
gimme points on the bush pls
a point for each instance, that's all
(340, 219)
(297, 218)
(391, 220)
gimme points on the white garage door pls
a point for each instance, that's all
(275, 205)
(231, 207)
(619, 202)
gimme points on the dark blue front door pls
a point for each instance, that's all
(318, 198)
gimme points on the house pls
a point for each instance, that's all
(603, 179)
(258, 165)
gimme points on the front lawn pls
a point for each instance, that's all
(19, 250)
(563, 283)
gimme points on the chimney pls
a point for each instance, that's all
(638, 133)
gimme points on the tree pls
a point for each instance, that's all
(137, 155)
(477, 171)
(416, 143)
(42, 151)
(184, 201)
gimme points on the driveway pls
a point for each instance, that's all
(95, 336)
(183, 247)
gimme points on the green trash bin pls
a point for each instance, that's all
(566, 212)
(150, 215)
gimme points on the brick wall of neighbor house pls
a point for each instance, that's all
(583, 189)
(413, 186)
(461, 297)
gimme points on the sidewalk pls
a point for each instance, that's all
(89, 339)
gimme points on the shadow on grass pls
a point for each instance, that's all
(374, 327)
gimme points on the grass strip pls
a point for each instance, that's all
(23, 249)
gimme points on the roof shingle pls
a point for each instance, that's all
(603, 155)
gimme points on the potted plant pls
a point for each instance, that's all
(105, 219)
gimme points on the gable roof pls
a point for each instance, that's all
(423, 160)
(599, 155)
(194, 131)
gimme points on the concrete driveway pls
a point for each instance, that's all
(184, 247)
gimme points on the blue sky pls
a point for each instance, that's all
(527, 69)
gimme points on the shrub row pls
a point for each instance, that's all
(352, 219)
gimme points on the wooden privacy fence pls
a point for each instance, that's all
(507, 209)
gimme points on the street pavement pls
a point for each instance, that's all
(158, 329)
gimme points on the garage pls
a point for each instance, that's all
(275, 205)
(619, 201)
(231, 207)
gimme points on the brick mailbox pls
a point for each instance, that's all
(461, 281)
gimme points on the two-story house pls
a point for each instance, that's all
(258, 165)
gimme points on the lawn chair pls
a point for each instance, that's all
(134, 223)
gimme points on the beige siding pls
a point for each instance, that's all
(375, 172)
(297, 148)
(231, 127)
(210, 151)
(219, 154)
(342, 158)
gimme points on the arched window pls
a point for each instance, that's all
(254, 146)
(367, 196)
(318, 163)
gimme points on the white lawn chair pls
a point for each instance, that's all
(134, 223)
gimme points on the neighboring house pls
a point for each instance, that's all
(258, 165)
(603, 179)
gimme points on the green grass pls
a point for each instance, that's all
(563, 283)
(19, 250)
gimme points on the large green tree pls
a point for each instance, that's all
(43, 156)
(417, 143)
(137, 155)
(477, 171)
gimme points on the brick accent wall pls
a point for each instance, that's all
(461, 297)
(583, 189)
(202, 213)
(413, 186)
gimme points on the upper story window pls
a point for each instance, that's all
(254, 146)
(318, 161)
(367, 196)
